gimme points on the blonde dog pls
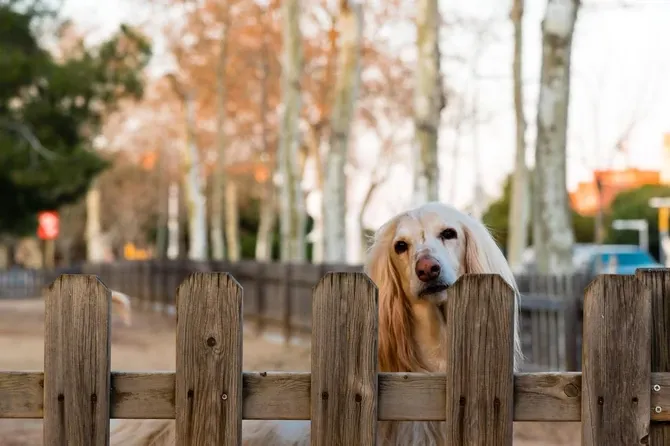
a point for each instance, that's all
(413, 260)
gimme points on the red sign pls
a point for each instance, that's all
(48, 225)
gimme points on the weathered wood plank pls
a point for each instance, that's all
(344, 361)
(286, 396)
(479, 343)
(657, 282)
(77, 361)
(616, 361)
(208, 387)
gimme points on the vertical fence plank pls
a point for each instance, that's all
(208, 382)
(344, 361)
(77, 362)
(616, 362)
(479, 341)
(657, 282)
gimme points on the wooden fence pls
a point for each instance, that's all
(622, 396)
(278, 299)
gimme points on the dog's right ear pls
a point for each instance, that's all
(397, 351)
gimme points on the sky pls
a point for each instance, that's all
(620, 66)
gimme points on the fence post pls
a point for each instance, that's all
(658, 283)
(77, 361)
(208, 381)
(479, 340)
(616, 361)
(344, 361)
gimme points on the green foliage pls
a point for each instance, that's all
(497, 214)
(50, 110)
(634, 204)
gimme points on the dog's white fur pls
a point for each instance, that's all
(410, 320)
(121, 302)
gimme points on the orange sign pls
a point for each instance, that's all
(48, 225)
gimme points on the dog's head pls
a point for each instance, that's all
(418, 255)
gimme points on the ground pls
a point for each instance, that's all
(150, 345)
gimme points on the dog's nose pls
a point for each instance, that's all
(427, 268)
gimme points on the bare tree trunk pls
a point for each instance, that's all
(552, 227)
(292, 208)
(173, 221)
(519, 214)
(268, 213)
(232, 222)
(346, 91)
(195, 190)
(314, 146)
(219, 177)
(95, 243)
(428, 101)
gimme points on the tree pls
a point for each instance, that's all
(497, 218)
(429, 101)
(49, 110)
(291, 201)
(346, 90)
(634, 204)
(552, 229)
(520, 206)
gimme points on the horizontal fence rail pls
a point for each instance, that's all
(621, 397)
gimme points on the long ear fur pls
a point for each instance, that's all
(483, 256)
(398, 351)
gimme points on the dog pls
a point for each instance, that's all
(413, 260)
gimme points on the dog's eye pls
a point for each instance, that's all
(400, 247)
(448, 234)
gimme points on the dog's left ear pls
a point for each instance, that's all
(476, 261)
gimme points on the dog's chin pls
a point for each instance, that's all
(434, 292)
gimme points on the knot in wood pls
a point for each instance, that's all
(211, 341)
(571, 390)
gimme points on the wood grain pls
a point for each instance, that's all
(479, 341)
(208, 382)
(657, 282)
(77, 358)
(344, 361)
(286, 396)
(616, 362)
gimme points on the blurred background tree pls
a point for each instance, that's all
(50, 108)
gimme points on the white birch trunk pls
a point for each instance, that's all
(173, 221)
(95, 243)
(292, 207)
(552, 227)
(346, 92)
(232, 222)
(195, 188)
(519, 212)
(428, 101)
(219, 177)
(268, 213)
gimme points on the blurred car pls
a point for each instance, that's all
(621, 262)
